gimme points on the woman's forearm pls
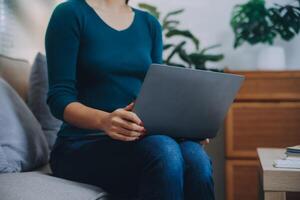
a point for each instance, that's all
(84, 117)
(121, 124)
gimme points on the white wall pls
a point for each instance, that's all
(22, 27)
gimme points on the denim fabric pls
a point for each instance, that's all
(155, 167)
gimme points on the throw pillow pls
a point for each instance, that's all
(23, 146)
(37, 95)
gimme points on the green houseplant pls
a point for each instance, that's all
(253, 23)
(194, 59)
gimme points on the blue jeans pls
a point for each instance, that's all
(156, 167)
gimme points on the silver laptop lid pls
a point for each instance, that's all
(187, 103)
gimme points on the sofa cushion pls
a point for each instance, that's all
(37, 95)
(16, 73)
(37, 186)
(23, 146)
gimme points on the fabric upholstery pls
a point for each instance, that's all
(37, 95)
(38, 186)
(23, 146)
(16, 73)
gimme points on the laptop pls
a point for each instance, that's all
(185, 103)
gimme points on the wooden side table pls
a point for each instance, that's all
(275, 182)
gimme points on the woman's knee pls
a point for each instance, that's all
(197, 162)
(163, 154)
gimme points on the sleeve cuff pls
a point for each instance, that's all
(58, 105)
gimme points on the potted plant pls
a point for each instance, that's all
(196, 58)
(252, 22)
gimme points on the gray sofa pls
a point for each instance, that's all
(38, 184)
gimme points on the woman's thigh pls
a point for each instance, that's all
(97, 160)
(114, 165)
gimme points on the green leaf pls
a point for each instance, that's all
(167, 46)
(185, 57)
(209, 48)
(172, 24)
(200, 59)
(175, 12)
(214, 58)
(175, 50)
(184, 33)
(151, 9)
(286, 20)
(250, 23)
(195, 57)
(174, 64)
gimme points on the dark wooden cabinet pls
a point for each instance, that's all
(240, 175)
(266, 113)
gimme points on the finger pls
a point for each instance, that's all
(131, 116)
(129, 107)
(129, 133)
(129, 125)
(117, 136)
(119, 122)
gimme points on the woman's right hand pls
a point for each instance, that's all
(123, 124)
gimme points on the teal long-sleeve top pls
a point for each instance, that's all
(94, 64)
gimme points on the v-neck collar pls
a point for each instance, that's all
(106, 24)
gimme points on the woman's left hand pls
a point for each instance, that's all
(204, 142)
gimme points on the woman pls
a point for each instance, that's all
(98, 52)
